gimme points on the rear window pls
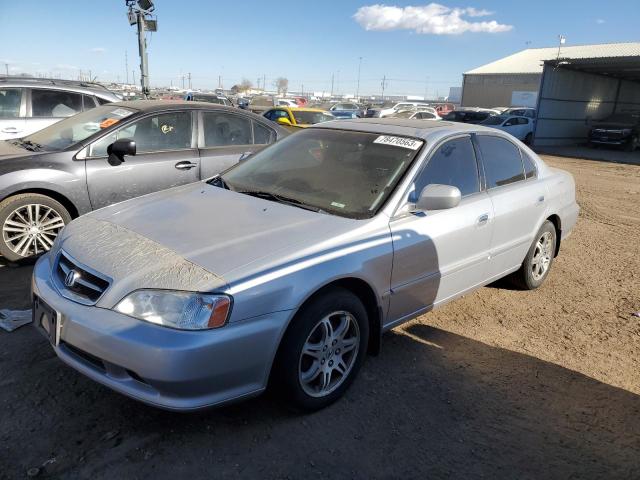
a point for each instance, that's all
(10, 99)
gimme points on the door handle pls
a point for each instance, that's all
(10, 130)
(541, 199)
(482, 219)
(186, 165)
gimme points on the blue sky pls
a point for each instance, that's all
(304, 41)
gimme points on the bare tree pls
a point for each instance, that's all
(245, 85)
(282, 85)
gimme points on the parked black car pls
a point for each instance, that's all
(112, 153)
(467, 116)
(619, 129)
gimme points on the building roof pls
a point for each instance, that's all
(531, 60)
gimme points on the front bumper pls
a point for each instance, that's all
(163, 367)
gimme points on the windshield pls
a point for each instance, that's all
(347, 173)
(495, 120)
(309, 118)
(75, 129)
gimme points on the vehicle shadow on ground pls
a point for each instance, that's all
(432, 405)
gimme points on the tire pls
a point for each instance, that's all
(15, 218)
(537, 264)
(528, 138)
(634, 142)
(294, 362)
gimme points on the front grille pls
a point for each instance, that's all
(78, 282)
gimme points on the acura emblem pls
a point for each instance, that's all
(70, 279)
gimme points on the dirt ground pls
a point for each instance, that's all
(499, 384)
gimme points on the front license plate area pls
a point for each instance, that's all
(48, 319)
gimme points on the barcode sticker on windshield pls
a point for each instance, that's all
(121, 112)
(399, 142)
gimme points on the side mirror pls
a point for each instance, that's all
(284, 121)
(438, 197)
(119, 149)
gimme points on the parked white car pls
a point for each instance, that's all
(519, 127)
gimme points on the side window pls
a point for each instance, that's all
(165, 131)
(530, 169)
(502, 161)
(88, 102)
(10, 99)
(221, 129)
(269, 115)
(279, 114)
(262, 135)
(102, 101)
(454, 163)
(55, 103)
(523, 121)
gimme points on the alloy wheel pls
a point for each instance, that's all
(31, 229)
(329, 354)
(542, 256)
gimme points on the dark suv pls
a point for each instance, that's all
(467, 116)
(112, 153)
(619, 129)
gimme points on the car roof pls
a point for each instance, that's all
(90, 88)
(403, 126)
(156, 105)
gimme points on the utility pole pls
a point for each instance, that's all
(219, 81)
(384, 81)
(302, 90)
(126, 65)
(142, 47)
(331, 85)
(133, 73)
(264, 82)
(258, 84)
(561, 40)
(6, 66)
(338, 84)
(426, 88)
(358, 85)
(189, 77)
(138, 12)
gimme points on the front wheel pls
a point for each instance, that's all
(30, 223)
(322, 350)
(528, 138)
(634, 142)
(536, 265)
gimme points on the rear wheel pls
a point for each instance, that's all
(30, 223)
(322, 350)
(528, 138)
(537, 263)
(634, 143)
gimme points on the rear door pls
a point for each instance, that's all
(225, 138)
(47, 106)
(13, 111)
(518, 199)
(166, 157)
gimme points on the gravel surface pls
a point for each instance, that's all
(499, 384)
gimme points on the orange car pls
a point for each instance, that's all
(297, 117)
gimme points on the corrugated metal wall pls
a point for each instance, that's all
(570, 100)
(495, 90)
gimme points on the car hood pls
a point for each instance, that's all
(613, 126)
(206, 232)
(9, 150)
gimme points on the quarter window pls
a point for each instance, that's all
(454, 163)
(502, 161)
(261, 134)
(88, 102)
(55, 103)
(529, 166)
(221, 129)
(10, 99)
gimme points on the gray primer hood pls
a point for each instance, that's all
(131, 260)
(219, 230)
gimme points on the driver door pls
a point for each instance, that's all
(166, 157)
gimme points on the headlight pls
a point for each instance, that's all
(181, 310)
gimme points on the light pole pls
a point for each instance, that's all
(358, 85)
(139, 10)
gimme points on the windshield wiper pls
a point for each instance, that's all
(282, 199)
(28, 144)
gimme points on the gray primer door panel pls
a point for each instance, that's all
(439, 254)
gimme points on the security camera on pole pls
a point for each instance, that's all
(140, 15)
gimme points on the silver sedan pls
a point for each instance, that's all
(286, 269)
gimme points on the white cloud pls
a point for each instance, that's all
(98, 50)
(433, 19)
(599, 21)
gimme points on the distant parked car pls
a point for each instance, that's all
(415, 115)
(345, 114)
(297, 117)
(520, 112)
(347, 107)
(389, 108)
(242, 103)
(30, 104)
(112, 153)
(519, 127)
(207, 97)
(467, 116)
(619, 129)
(261, 103)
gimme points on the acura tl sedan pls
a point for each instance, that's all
(112, 153)
(286, 269)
